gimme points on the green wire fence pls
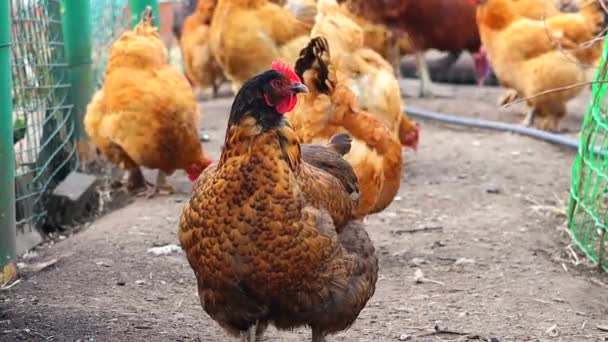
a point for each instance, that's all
(51, 61)
(588, 207)
(110, 18)
(43, 128)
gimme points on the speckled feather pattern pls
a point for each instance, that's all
(260, 233)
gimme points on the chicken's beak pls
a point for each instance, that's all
(298, 88)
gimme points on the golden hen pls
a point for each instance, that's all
(268, 234)
(146, 114)
(247, 35)
(527, 61)
(329, 108)
(201, 67)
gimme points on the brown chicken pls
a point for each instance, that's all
(146, 114)
(268, 234)
(201, 67)
(248, 35)
(430, 24)
(391, 45)
(371, 77)
(329, 108)
(526, 59)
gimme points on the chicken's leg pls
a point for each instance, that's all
(251, 335)
(215, 88)
(424, 75)
(135, 180)
(161, 184)
(394, 53)
(529, 119)
(317, 336)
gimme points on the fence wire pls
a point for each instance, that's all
(42, 117)
(109, 19)
(588, 208)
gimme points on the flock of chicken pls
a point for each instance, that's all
(274, 230)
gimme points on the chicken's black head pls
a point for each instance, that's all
(267, 96)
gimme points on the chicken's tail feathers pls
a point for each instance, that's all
(316, 56)
(147, 16)
(341, 143)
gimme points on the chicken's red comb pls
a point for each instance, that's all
(285, 70)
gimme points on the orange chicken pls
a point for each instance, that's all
(526, 60)
(146, 114)
(201, 67)
(329, 108)
(247, 35)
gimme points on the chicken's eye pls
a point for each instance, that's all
(277, 84)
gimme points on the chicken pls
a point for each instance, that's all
(179, 16)
(535, 9)
(571, 25)
(578, 32)
(532, 9)
(525, 57)
(391, 45)
(269, 235)
(430, 24)
(371, 77)
(201, 67)
(329, 108)
(145, 114)
(247, 35)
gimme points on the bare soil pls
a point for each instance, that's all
(488, 213)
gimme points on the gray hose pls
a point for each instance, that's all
(494, 125)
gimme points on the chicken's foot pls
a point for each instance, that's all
(135, 180)
(508, 96)
(161, 184)
(529, 119)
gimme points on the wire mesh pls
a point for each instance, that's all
(588, 208)
(109, 19)
(43, 126)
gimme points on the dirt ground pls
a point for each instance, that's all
(489, 209)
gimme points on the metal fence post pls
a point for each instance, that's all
(7, 152)
(138, 6)
(76, 27)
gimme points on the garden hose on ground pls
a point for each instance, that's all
(494, 125)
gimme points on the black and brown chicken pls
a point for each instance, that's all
(268, 230)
